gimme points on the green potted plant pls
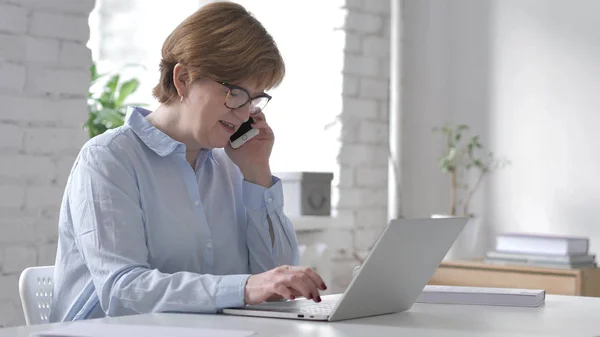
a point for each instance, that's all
(467, 164)
(107, 107)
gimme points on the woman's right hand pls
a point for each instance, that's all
(284, 282)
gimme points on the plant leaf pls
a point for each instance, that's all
(106, 100)
(106, 108)
(110, 118)
(444, 167)
(94, 75)
(452, 154)
(127, 88)
(111, 85)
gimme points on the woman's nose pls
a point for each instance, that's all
(242, 113)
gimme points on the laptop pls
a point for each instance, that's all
(392, 277)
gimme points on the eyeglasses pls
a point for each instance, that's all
(237, 97)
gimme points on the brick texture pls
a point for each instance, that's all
(21, 257)
(75, 55)
(11, 313)
(13, 19)
(12, 77)
(83, 7)
(60, 26)
(9, 282)
(360, 188)
(44, 81)
(41, 50)
(12, 47)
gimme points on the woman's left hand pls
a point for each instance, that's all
(253, 157)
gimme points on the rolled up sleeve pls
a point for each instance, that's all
(109, 229)
(263, 204)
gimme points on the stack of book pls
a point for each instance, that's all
(545, 251)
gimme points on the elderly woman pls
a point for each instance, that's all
(162, 214)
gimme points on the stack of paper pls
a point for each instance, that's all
(544, 251)
(542, 244)
(482, 296)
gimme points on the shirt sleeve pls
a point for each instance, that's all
(261, 203)
(108, 225)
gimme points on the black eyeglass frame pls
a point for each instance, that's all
(250, 98)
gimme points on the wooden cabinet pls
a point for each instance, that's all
(578, 282)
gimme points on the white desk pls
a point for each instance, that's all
(560, 316)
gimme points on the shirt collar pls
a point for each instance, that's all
(155, 139)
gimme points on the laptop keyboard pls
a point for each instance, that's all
(311, 308)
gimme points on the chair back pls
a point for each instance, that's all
(35, 290)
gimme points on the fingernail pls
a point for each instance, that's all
(324, 286)
(292, 297)
(318, 299)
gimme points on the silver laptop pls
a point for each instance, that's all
(398, 267)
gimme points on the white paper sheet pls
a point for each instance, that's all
(90, 329)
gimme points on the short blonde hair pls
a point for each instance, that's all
(224, 42)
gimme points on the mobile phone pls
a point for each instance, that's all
(243, 134)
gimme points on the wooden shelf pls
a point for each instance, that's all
(516, 268)
(574, 282)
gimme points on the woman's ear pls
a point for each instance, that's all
(181, 77)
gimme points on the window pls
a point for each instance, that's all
(305, 31)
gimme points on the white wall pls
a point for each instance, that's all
(524, 74)
(127, 37)
(309, 98)
(44, 81)
(545, 116)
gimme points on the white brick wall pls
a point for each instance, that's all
(83, 7)
(360, 189)
(360, 65)
(12, 77)
(13, 19)
(59, 26)
(44, 80)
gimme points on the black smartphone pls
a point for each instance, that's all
(243, 134)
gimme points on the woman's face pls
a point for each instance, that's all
(206, 119)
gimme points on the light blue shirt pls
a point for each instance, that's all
(141, 231)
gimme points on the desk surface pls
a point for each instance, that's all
(559, 316)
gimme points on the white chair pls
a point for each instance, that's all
(35, 289)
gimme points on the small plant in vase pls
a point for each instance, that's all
(464, 160)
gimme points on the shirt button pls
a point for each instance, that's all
(270, 200)
(209, 245)
(197, 203)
